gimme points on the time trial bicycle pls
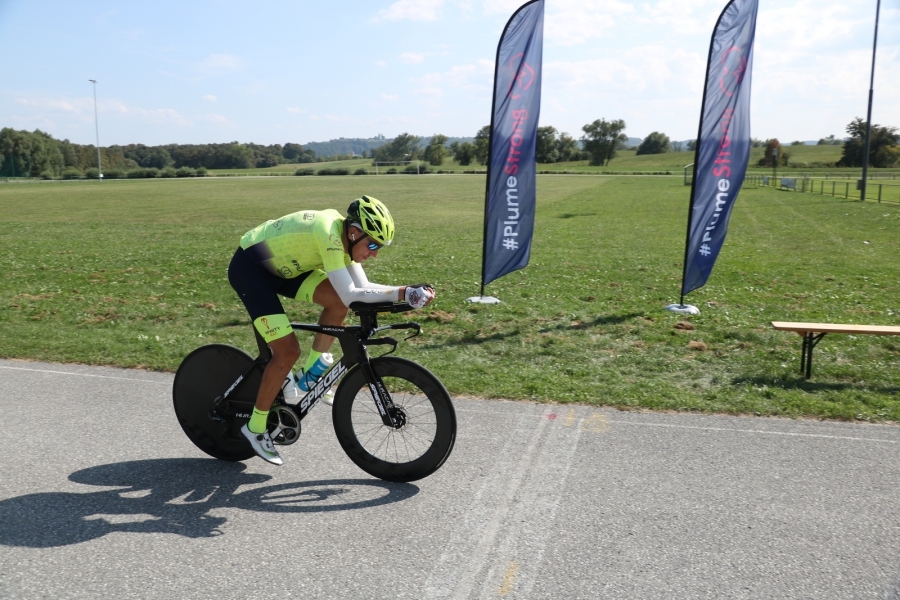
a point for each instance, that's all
(393, 417)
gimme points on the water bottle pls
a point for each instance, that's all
(309, 378)
(289, 387)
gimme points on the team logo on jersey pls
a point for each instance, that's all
(336, 240)
(309, 216)
(277, 224)
(296, 265)
(286, 271)
(265, 322)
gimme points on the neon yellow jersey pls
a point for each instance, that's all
(299, 242)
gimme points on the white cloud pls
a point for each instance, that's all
(390, 97)
(646, 69)
(380, 63)
(217, 119)
(210, 98)
(221, 62)
(412, 58)
(809, 25)
(474, 78)
(500, 7)
(686, 17)
(571, 22)
(84, 107)
(296, 111)
(69, 105)
(411, 10)
(167, 116)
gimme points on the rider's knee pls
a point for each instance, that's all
(287, 348)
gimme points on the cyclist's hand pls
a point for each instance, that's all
(419, 296)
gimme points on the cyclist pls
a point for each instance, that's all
(313, 256)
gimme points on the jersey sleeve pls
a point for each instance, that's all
(361, 281)
(331, 246)
(349, 292)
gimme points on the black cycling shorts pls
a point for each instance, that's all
(259, 289)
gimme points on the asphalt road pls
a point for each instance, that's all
(102, 496)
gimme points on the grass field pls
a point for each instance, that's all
(626, 161)
(132, 273)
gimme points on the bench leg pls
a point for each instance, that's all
(810, 340)
(803, 353)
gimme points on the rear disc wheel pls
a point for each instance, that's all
(205, 374)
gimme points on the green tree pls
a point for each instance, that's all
(403, 147)
(70, 155)
(547, 150)
(601, 138)
(655, 143)
(567, 148)
(156, 158)
(464, 153)
(482, 141)
(291, 152)
(436, 150)
(15, 146)
(828, 141)
(774, 151)
(883, 146)
(45, 154)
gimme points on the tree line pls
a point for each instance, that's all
(600, 143)
(36, 154)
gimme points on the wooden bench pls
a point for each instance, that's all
(812, 333)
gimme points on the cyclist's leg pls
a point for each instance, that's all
(258, 290)
(318, 289)
(285, 352)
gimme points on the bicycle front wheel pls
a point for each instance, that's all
(423, 441)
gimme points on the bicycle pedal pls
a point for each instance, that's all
(214, 417)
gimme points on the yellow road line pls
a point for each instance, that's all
(509, 580)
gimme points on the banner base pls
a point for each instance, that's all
(685, 309)
(483, 300)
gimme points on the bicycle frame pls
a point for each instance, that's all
(354, 341)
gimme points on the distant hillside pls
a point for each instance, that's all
(359, 145)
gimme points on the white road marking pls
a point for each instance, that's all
(738, 430)
(85, 375)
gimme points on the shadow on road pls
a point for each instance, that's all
(799, 383)
(174, 496)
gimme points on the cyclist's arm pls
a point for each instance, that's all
(361, 281)
(348, 290)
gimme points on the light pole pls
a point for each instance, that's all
(97, 129)
(775, 166)
(865, 173)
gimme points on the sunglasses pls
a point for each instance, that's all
(373, 245)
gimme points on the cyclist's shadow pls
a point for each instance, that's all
(173, 496)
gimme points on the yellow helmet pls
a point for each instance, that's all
(374, 218)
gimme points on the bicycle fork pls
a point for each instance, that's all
(390, 415)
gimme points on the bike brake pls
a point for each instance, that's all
(385, 341)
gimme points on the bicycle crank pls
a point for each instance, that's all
(283, 425)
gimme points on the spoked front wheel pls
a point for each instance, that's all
(427, 422)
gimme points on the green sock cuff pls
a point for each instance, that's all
(311, 359)
(257, 422)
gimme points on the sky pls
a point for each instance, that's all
(216, 71)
